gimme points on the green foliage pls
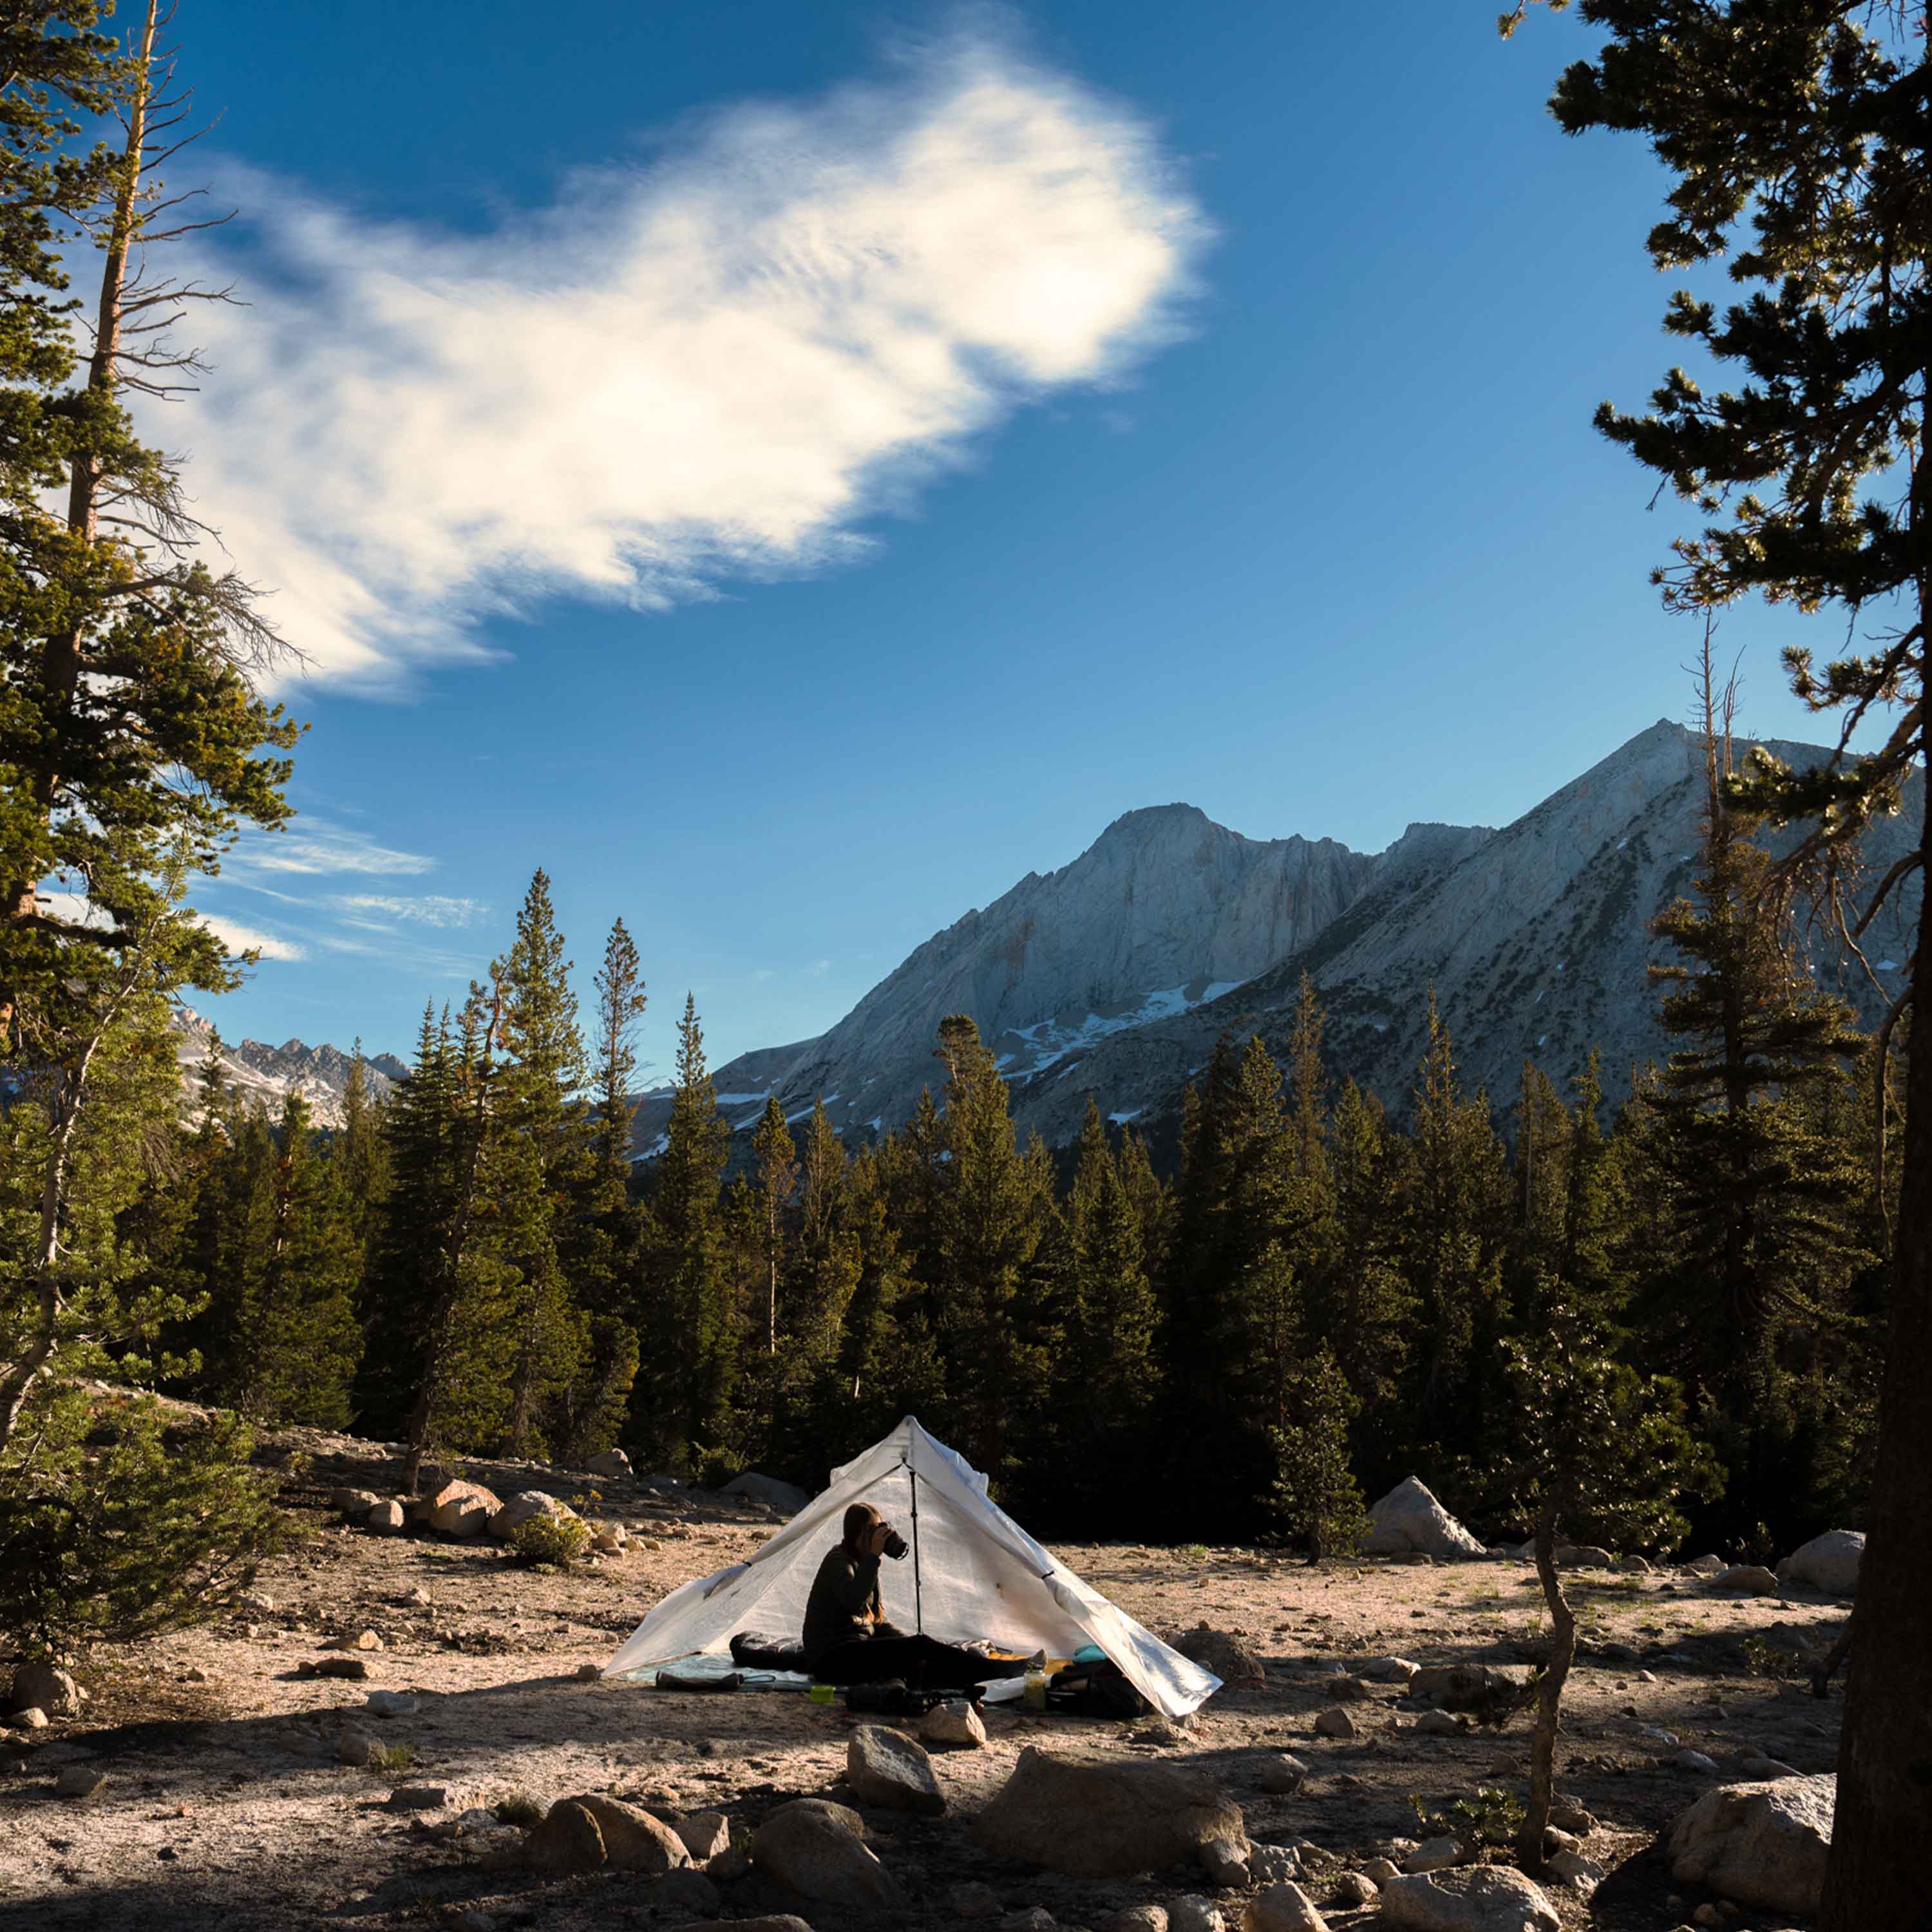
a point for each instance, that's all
(117, 1527)
(551, 1542)
(1489, 1819)
(1316, 1494)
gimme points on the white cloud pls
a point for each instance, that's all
(316, 846)
(715, 365)
(432, 909)
(240, 938)
(818, 969)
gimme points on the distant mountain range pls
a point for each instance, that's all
(258, 1072)
(1113, 976)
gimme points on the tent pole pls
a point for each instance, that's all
(918, 1600)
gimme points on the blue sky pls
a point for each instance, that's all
(791, 469)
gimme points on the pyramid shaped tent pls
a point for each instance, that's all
(971, 1572)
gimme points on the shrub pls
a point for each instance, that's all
(140, 1530)
(520, 1808)
(549, 1542)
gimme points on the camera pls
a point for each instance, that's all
(894, 1545)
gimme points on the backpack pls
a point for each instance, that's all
(1097, 1689)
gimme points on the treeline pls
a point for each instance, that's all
(1321, 1300)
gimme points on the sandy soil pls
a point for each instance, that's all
(226, 1805)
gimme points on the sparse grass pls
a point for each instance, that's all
(392, 1757)
(520, 1808)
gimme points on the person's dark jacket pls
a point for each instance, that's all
(845, 1603)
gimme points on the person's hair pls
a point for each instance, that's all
(859, 1519)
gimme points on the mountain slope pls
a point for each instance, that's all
(1113, 975)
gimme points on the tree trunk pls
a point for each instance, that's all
(1875, 1879)
(1548, 1699)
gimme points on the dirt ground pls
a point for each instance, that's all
(226, 1805)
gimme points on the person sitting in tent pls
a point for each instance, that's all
(848, 1639)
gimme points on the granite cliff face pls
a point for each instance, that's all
(1114, 975)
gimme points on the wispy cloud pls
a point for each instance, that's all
(818, 969)
(240, 938)
(317, 846)
(430, 909)
(715, 366)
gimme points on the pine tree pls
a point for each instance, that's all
(1760, 1206)
(988, 1216)
(543, 1169)
(777, 1182)
(131, 743)
(1796, 135)
(1315, 1493)
(683, 1408)
(296, 1334)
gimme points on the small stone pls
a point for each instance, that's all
(367, 1640)
(1646, 1677)
(1283, 1775)
(79, 1780)
(568, 1840)
(33, 1718)
(1440, 1724)
(1569, 1867)
(1432, 1855)
(1696, 1763)
(416, 1598)
(1747, 1580)
(704, 1834)
(886, 1767)
(1380, 1871)
(1573, 1819)
(354, 1745)
(390, 1704)
(385, 1518)
(1355, 1888)
(1388, 1670)
(1708, 1915)
(1193, 1913)
(1283, 1908)
(1336, 1723)
(352, 1667)
(954, 1726)
(1225, 1862)
(44, 1687)
(1033, 1919)
(589, 1673)
(1136, 1918)
(1344, 1688)
(419, 1798)
(1480, 1898)
(1274, 1864)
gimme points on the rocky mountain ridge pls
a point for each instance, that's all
(1114, 975)
(258, 1072)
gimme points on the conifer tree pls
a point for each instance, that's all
(685, 1397)
(542, 1168)
(1796, 134)
(777, 1159)
(620, 1009)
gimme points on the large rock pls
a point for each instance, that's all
(1104, 1820)
(613, 1466)
(1829, 1563)
(523, 1507)
(1759, 1844)
(1409, 1518)
(758, 1489)
(1464, 1687)
(886, 1767)
(634, 1841)
(1226, 1655)
(1746, 1579)
(1482, 1898)
(460, 1509)
(818, 1850)
(44, 1687)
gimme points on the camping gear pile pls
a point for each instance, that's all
(971, 1575)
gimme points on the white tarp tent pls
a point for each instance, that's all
(972, 1573)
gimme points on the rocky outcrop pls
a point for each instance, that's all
(257, 1071)
(1409, 1518)
(1761, 1845)
(1105, 1820)
(1829, 1563)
